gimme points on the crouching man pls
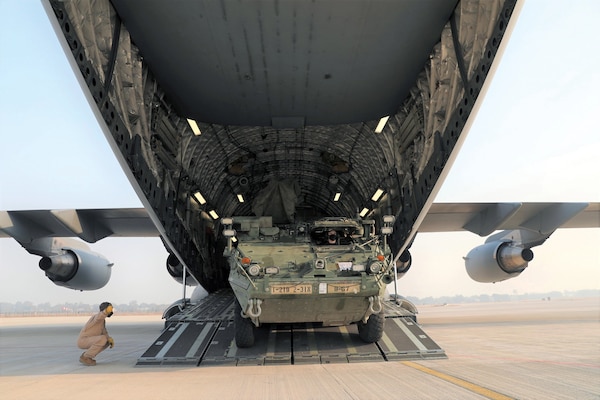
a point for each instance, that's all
(94, 336)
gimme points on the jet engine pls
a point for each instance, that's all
(175, 269)
(403, 264)
(77, 269)
(497, 261)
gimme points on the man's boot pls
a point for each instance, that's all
(87, 360)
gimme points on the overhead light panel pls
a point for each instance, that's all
(229, 232)
(381, 124)
(199, 198)
(377, 195)
(364, 212)
(213, 214)
(389, 219)
(194, 126)
(337, 196)
(387, 230)
(240, 198)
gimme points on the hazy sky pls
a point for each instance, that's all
(536, 138)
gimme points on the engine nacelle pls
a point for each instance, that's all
(175, 269)
(403, 264)
(77, 269)
(497, 261)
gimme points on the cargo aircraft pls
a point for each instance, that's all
(288, 150)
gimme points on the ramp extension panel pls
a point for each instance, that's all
(203, 335)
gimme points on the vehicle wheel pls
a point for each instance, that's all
(372, 331)
(244, 329)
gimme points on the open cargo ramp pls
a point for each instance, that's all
(203, 335)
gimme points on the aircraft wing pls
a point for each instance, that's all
(89, 225)
(485, 218)
(92, 225)
(47, 233)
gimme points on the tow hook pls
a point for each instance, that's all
(254, 310)
(375, 307)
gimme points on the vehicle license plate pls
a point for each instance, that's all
(343, 287)
(304, 288)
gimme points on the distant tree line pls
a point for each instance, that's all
(487, 298)
(28, 308)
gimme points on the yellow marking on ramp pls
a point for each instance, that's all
(388, 342)
(490, 394)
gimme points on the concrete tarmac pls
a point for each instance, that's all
(523, 350)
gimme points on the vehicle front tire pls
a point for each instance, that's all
(244, 329)
(372, 331)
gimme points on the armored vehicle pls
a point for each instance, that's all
(330, 271)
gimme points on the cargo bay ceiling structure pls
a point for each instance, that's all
(342, 108)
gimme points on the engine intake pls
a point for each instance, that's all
(497, 261)
(175, 269)
(403, 264)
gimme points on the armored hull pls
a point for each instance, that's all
(332, 271)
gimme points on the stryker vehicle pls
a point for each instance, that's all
(332, 271)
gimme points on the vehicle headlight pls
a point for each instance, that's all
(375, 267)
(272, 270)
(254, 270)
(358, 267)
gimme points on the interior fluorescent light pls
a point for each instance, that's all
(213, 214)
(240, 198)
(381, 124)
(364, 212)
(199, 198)
(377, 194)
(337, 196)
(389, 219)
(194, 126)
